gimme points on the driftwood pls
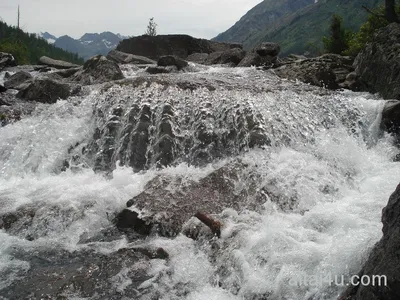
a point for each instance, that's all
(214, 225)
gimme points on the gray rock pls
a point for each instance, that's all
(2, 90)
(230, 56)
(170, 60)
(199, 58)
(58, 64)
(17, 79)
(47, 91)
(265, 54)
(67, 72)
(378, 64)
(98, 69)
(391, 118)
(126, 58)
(383, 260)
(161, 70)
(329, 70)
(6, 60)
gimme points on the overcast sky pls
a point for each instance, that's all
(199, 18)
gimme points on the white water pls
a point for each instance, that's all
(259, 252)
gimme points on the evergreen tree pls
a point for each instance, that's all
(151, 28)
(337, 42)
(390, 11)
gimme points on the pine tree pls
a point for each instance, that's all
(337, 42)
(151, 28)
(390, 11)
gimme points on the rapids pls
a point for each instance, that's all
(325, 150)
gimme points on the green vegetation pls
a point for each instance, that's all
(151, 28)
(338, 41)
(28, 48)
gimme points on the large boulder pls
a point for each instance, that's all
(328, 70)
(265, 54)
(378, 64)
(391, 118)
(171, 60)
(17, 79)
(47, 91)
(58, 64)
(2, 90)
(179, 45)
(127, 58)
(6, 60)
(98, 69)
(384, 259)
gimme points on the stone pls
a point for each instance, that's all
(98, 69)
(391, 118)
(47, 91)
(170, 60)
(161, 70)
(265, 54)
(17, 79)
(127, 58)
(267, 49)
(199, 58)
(378, 64)
(6, 60)
(58, 64)
(2, 90)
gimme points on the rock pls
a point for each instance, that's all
(2, 90)
(67, 72)
(351, 82)
(378, 64)
(178, 45)
(6, 60)
(126, 58)
(7, 75)
(265, 54)
(267, 49)
(199, 58)
(47, 91)
(170, 60)
(391, 118)
(383, 260)
(58, 64)
(98, 69)
(329, 70)
(161, 70)
(129, 219)
(17, 79)
(230, 56)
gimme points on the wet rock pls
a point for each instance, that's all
(329, 70)
(58, 64)
(48, 91)
(17, 79)
(67, 72)
(378, 64)
(170, 60)
(179, 45)
(199, 58)
(126, 58)
(98, 69)
(58, 274)
(161, 70)
(265, 54)
(129, 219)
(383, 260)
(391, 119)
(2, 90)
(6, 60)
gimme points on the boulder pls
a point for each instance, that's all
(179, 45)
(47, 91)
(161, 70)
(6, 60)
(378, 64)
(98, 69)
(231, 56)
(58, 64)
(391, 118)
(383, 260)
(199, 58)
(2, 89)
(265, 54)
(126, 58)
(17, 79)
(67, 72)
(328, 70)
(170, 60)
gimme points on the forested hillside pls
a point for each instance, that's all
(27, 48)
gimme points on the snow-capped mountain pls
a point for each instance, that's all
(48, 37)
(88, 45)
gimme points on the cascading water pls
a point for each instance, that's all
(322, 150)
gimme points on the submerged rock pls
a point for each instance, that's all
(378, 64)
(127, 58)
(384, 259)
(58, 64)
(98, 69)
(17, 79)
(48, 91)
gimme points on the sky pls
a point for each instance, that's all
(199, 18)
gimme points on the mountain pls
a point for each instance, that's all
(297, 30)
(88, 45)
(27, 48)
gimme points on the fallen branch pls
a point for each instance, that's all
(372, 13)
(214, 225)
